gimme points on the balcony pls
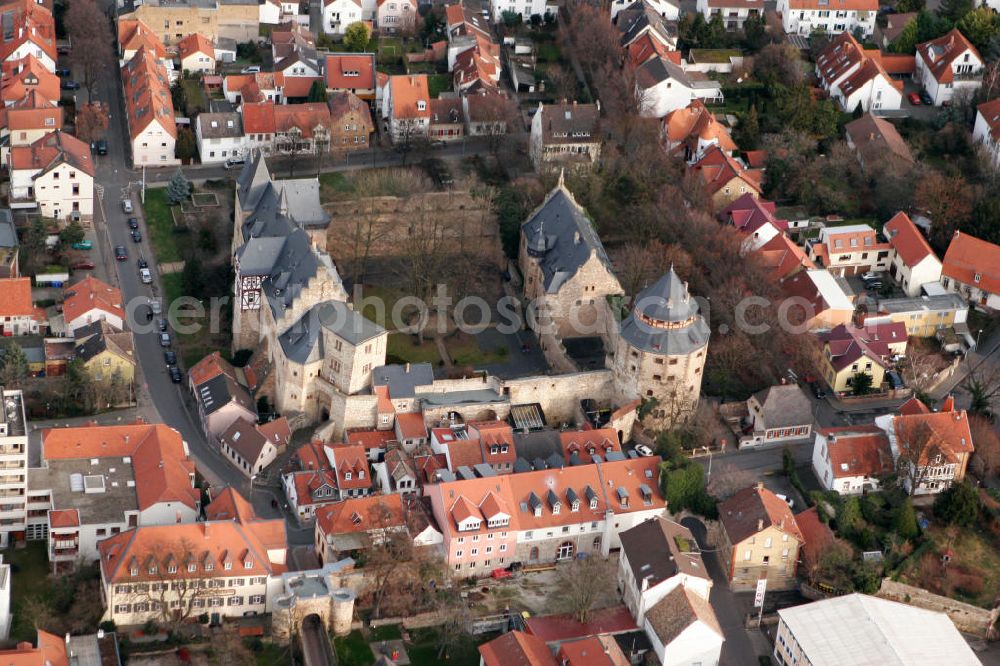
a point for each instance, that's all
(63, 554)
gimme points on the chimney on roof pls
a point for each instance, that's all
(760, 524)
(407, 368)
(760, 485)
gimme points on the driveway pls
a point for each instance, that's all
(738, 650)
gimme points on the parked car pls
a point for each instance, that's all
(100, 147)
(926, 98)
(785, 498)
(121, 254)
(133, 223)
(64, 49)
(643, 450)
(63, 73)
(136, 236)
(252, 69)
(175, 374)
(83, 245)
(170, 357)
(127, 205)
(161, 324)
(914, 98)
(83, 266)
(164, 339)
(69, 84)
(141, 262)
(818, 390)
(155, 306)
(145, 276)
(871, 275)
(234, 163)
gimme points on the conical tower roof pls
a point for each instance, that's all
(665, 319)
(667, 300)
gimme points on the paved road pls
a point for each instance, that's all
(316, 649)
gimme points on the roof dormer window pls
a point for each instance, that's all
(421, 105)
(347, 476)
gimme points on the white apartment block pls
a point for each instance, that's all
(13, 468)
(803, 17)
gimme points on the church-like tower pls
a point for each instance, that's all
(661, 348)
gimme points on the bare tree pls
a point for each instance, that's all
(983, 386)
(986, 458)
(91, 122)
(496, 114)
(390, 558)
(92, 41)
(727, 479)
(915, 440)
(584, 584)
(171, 597)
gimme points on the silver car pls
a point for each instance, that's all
(164, 339)
(127, 205)
(145, 276)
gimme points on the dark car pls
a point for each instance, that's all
(817, 390)
(164, 339)
(69, 84)
(926, 98)
(175, 374)
(161, 324)
(136, 236)
(63, 73)
(142, 263)
(121, 254)
(170, 357)
(133, 223)
(101, 147)
(83, 266)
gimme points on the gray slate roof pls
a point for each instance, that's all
(303, 343)
(8, 233)
(785, 405)
(667, 300)
(562, 238)
(243, 437)
(252, 181)
(303, 202)
(220, 391)
(402, 380)
(635, 18)
(220, 125)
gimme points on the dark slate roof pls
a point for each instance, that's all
(8, 233)
(562, 238)
(93, 345)
(303, 343)
(220, 391)
(295, 265)
(785, 405)
(258, 255)
(657, 70)
(653, 550)
(637, 17)
(402, 380)
(667, 300)
(220, 125)
(243, 437)
(252, 181)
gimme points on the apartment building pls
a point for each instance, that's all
(803, 17)
(226, 566)
(150, 110)
(13, 468)
(850, 250)
(103, 480)
(57, 173)
(172, 20)
(543, 516)
(759, 538)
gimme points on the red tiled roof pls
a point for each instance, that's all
(351, 460)
(817, 534)
(552, 628)
(748, 214)
(592, 651)
(299, 86)
(230, 505)
(968, 257)
(341, 68)
(33, 112)
(31, 75)
(360, 514)
(914, 406)
(62, 518)
(90, 293)
(516, 648)
(695, 122)
(939, 54)
(783, 257)
(741, 514)
(647, 46)
(857, 451)
(848, 343)
(370, 439)
(717, 169)
(52, 150)
(601, 441)
(990, 112)
(133, 35)
(195, 43)
(947, 433)
(906, 240)
(411, 426)
(30, 22)
(15, 297)
(51, 651)
(406, 90)
(464, 453)
(269, 118)
(147, 94)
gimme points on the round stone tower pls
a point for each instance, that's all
(660, 352)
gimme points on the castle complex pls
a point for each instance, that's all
(316, 359)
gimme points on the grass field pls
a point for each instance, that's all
(30, 569)
(465, 350)
(168, 245)
(353, 649)
(402, 349)
(438, 83)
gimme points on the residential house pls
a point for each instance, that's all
(662, 87)
(487, 113)
(338, 14)
(851, 459)
(288, 38)
(447, 123)
(329, 473)
(516, 647)
(825, 305)
(692, 130)
(542, 516)
(755, 219)
(396, 473)
(525, 11)
(29, 29)
(351, 72)
(567, 273)
(238, 20)
(949, 68)
(376, 442)
(885, 632)
(895, 24)
(477, 69)
(252, 447)
(356, 524)
(50, 650)
(682, 629)
(9, 260)
(914, 263)
(669, 10)
(57, 173)
(855, 77)
(724, 179)
(642, 19)
(350, 122)
(410, 430)
(406, 106)
(931, 450)
(29, 74)
(732, 12)
(220, 137)
(302, 70)
(779, 414)
(196, 54)
(924, 316)
(393, 16)
(107, 354)
(287, 129)
(759, 539)
(783, 258)
(565, 135)
(848, 350)
(14, 484)
(971, 268)
(650, 46)
(18, 316)
(875, 140)
(851, 249)
(656, 557)
(100, 481)
(150, 110)
(243, 556)
(24, 122)
(258, 87)
(222, 394)
(803, 17)
(986, 130)
(133, 35)
(91, 300)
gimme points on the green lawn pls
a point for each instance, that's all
(334, 186)
(195, 95)
(548, 52)
(387, 632)
(353, 649)
(402, 350)
(272, 654)
(191, 347)
(465, 350)
(438, 83)
(390, 46)
(377, 304)
(167, 243)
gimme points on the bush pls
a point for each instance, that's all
(959, 505)
(108, 626)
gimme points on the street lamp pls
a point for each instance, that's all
(709, 452)
(977, 338)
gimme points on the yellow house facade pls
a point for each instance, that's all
(106, 354)
(760, 539)
(175, 20)
(848, 350)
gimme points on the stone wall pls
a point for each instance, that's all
(560, 395)
(967, 618)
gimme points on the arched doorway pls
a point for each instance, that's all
(565, 551)
(533, 554)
